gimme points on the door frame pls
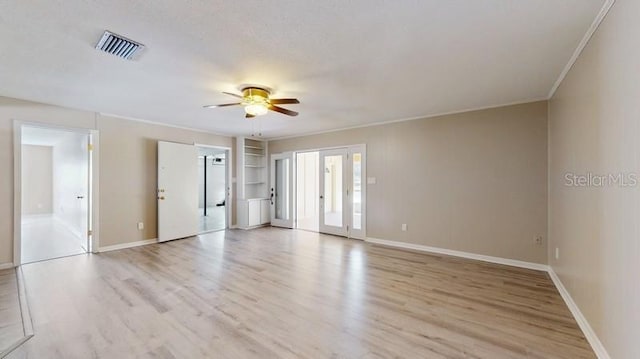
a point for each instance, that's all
(93, 222)
(228, 167)
(290, 223)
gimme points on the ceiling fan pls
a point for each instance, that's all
(256, 102)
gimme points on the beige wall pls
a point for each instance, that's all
(474, 182)
(37, 179)
(127, 168)
(128, 175)
(594, 126)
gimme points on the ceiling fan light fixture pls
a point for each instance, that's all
(256, 109)
(256, 102)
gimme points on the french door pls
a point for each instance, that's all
(281, 191)
(340, 189)
(334, 192)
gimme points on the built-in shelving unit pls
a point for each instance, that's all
(253, 202)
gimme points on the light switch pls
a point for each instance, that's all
(371, 180)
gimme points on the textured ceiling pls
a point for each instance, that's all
(349, 62)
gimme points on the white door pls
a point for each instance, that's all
(334, 198)
(177, 191)
(281, 191)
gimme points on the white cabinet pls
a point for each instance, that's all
(253, 212)
(264, 211)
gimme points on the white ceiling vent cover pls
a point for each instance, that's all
(119, 46)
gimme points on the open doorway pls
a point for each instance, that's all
(212, 189)
(55, 181)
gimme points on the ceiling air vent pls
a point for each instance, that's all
(120, 46)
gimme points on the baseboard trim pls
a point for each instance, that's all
(116, 247)
(6, 265)
(591, 336)
(27, 324)
(451, 252)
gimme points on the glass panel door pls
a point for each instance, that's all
(281, 191)
(333, 192)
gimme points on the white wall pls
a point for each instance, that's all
(37, 179)
(594, 127)
(70, 180)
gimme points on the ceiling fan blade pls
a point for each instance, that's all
(232, 94)
(283, 101)
(283, 110)
(223, 105)
(249, 116)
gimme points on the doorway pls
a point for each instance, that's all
(212, 189)
(55, 191)
(325, 188)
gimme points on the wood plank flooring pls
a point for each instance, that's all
(276, 293)
(11, 329)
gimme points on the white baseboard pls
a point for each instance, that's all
(115, 247)
(591, 336)
(451, 252)
(6, 265)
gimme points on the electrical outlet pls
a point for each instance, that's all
(404, 227)
(537, 240)
(557, 253)
(140, 226)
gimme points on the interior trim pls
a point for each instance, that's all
(468, 255)
(591, 336)
(6, 265)
(583, 43)
(415, 118)
(116, 247)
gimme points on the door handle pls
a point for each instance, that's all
(271, 197)
(80, 197)
(161, 198)
(321, 197)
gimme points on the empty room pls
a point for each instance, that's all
(320, 179)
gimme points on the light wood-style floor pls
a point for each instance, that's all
(11, 329)
(276, 293)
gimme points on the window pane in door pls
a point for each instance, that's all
(282, 189)
(357, 191)
(333, 191)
